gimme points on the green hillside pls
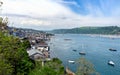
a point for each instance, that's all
(90, 30)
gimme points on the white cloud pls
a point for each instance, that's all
(51, 14)
(38, 8)
(68, 2)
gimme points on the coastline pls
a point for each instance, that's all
(112, 36)
(103, 35)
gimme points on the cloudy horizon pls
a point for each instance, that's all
(57, 14)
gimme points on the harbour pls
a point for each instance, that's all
(96, 49)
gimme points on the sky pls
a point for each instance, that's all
(60, 14)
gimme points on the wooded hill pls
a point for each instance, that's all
(89, 30)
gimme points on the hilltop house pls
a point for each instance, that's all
(34, 54)
(43, 47)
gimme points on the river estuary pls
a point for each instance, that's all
(95, 47)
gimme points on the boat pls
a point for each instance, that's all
(112, 49)
(82, 53)
(67, 39)
(71, 61)
(111, 63)
(74, 50)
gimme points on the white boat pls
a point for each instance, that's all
(82, 53)
(71, 61)
(111, 63)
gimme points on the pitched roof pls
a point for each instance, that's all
(34, 51)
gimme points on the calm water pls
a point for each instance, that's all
(96, 49)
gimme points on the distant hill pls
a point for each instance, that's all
(89, 30)
(25, 30)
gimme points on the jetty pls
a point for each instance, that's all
(69, 72)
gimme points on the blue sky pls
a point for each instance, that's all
(107, 8)
(55, 14)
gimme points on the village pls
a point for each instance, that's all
(39, 47)
(38, 40)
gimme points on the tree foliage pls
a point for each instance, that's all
(15, 55)
(26, 44)
(5, 68)
(53, 67)
(3, 24)
(85, 68)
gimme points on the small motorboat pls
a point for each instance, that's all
(71, 61)
(74, 50)
(111, 63)
(82, 53)
(112, 49)
(67, 39)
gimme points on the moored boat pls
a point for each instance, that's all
(82, 53)
(67, 39)
(111, 63)
(74, 50)
(71, 61)
(112, 49)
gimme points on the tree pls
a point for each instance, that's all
(26, 44)
(3, 24)
(3, 21)
(52, 67)
(5, 68)
(15, 54)
(85, 68)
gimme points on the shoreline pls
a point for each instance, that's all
(106, 36)
(112, 36)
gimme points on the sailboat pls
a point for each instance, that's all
(82, 52)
